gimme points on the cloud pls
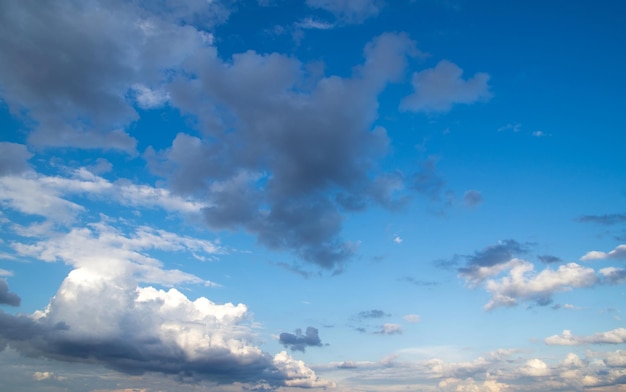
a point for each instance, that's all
(372, 314)
(549, 259)
(616, 336)
(314, 24)
(606, 219)
(523, 284)
(100, 318)
(13, 158)
(41, 376)
(298, 144)
(472, 198)
(298, 341)
(7, 297)
(438, 89)
(349, 11)
(412, 318)
(390, 329)
(619, 253)
(93, 55)
(102, 247)
(535, 368)
(48, 196)
(491, 260)
(612, 275)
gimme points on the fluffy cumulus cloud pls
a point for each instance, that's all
(522, 283)
(298, 341)
(616, 336)
(295, 157)
(619, 253)
(438, 89)
(112, 321)
(349, 11)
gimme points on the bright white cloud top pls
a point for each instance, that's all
(354, 195)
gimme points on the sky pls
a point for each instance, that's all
(278, 195)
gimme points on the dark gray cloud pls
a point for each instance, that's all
(299, 341)
(549, 259)
(7, 297)
(372, 314)
(13, 158)
(472, 198)
(606, 219)
(281, 151)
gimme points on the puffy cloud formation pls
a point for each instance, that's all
(616, 336)
(437, 89)
(298, 341)
(523, 284)
(7, 297)
(112, 321)
(619, 253)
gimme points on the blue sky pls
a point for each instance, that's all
(348, 195)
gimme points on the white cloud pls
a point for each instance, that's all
(523, 284)
(48, 196)
(619, 253)
(566, 338)
(40, 376)
(148, 98)
(390, 329)
(102, 247)
(438, 89)
(397, 239)
(535, 368)
(412, 318)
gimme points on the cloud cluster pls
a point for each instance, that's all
(299, 341)
(511, 280)
(616, 336)
(103, 319)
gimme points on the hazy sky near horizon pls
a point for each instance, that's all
(348, 195)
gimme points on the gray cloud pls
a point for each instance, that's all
(549, 259)
(7, 297)
(419, 282)
(300, 148)
(438, 89)
(472, 198)
(299, 341)
(606, 219)
(372, 314)
(13, 158)
(70, 66)
(349, 11)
